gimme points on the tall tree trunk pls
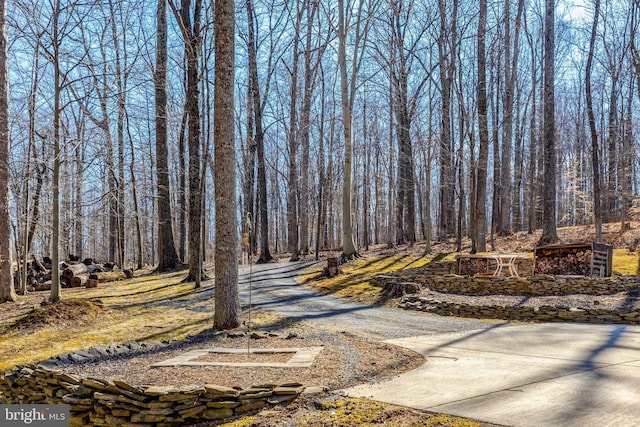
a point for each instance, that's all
(322, 180)
(56, 288)
(495, 199)
(392, 229)
(7, 290)
(349, 250)
(227, 305)
(595, 160)
(190, 18)
(366, 179)
(446, 48)
(121, 102)
(167, 255)
(532, 172)
(483, 133)
(310, 72)
(182, 206)
(549, 221)
(31, 219)
(510, 77)
(263, 212)
(292, 140)
(612, 141)
(248, 189)
(626, 169)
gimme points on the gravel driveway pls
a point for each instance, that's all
(274, 288)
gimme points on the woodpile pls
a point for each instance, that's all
(73, 274)
(579, 259)
(471, 266)
(565, 262)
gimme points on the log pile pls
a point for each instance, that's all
(564, 262)
(73, 274)
(471, 266)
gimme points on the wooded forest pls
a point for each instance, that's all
(356, 123)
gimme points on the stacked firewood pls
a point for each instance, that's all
(564, 262)
(471, 266)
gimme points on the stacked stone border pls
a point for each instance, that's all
(101, 402)
(441, 279)
(98, 402)
(527, 314)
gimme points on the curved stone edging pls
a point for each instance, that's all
(528, 314)
(96, 402)
(101, 351)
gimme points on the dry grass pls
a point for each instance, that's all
(145, 308)
(353, 282)
(337, 410)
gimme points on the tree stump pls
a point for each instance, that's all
(332, 268)
(398, 289)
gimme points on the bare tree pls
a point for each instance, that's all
(549, 222)
(311, 52)
(7, 290)
(479, 238)
(189, 21)
(447, 42)
(167, 255)
(348, 85)
(257, 108)
(227, 305)
(595, 160)
(61, 26)
(292, 142)
(511, 53)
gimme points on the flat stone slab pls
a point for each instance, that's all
(301, 357)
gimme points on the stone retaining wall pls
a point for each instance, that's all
(97, 402)
(539, 285)
(529, 314)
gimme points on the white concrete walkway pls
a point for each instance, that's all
(527, 375)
